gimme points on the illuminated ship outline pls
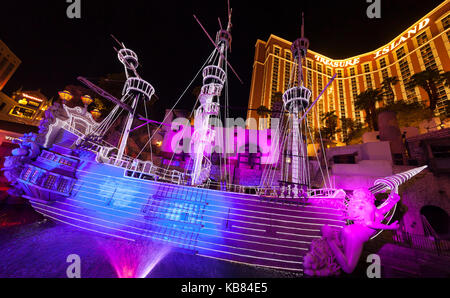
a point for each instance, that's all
(76, 178)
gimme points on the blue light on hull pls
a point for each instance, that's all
(229, 226)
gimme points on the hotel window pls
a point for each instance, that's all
(7, 71)
(339, 73)
(329, 72)
(368, 76)
(319, 89)
(384, 71)
(341, 98)
(310, 121)
(430, 64)
(446, 24)
(426, 52)
(287, 74)
(309, 64)
(342, 103)
(400, 53)
(442, 101)
(352, 71)
(288, 55)
(319, 67)
(276, 65)
(309, 79)
(319, 83)
(369, 81)
(276, 51)
(3, 62)
(406, 74)
(330, 99)
(354, 94)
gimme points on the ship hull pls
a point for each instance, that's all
(234, 227)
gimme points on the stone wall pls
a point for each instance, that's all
(424, 189)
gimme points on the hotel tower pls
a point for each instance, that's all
(424, 45)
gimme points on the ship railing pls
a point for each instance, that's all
(140, 86)
(431, 244)
(300, 94)
(73, 130)
(285, 192)
(212, 89)
(83, 137)
(214, 72)
(141, 169)
(124, 162)
(208, 108)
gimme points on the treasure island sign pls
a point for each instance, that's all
(344, 63)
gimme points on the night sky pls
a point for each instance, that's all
(171, 46)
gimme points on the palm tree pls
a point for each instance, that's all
(427, 80)
(386, 85)
(262, 111)
(366, 101)
(351, 128)
(446, 78)
(330, 129)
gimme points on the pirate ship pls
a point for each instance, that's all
(71, 174)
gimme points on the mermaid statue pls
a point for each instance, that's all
(338, 250)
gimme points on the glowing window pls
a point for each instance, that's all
(276, 51)
(62, 185)
(27, 173)
(50, 181)
(328, 71)
(446, 22)
(35, 176)
(22, 112)
(352, 71)
(288, 55)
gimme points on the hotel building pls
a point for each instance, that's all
(25, 107)
(8, 64)
(424, 45)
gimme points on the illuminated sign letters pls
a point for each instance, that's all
(332, 63)
(402, 39)
(411, 32)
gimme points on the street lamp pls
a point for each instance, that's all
(87, 100)
(65, 96)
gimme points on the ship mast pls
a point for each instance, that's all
(214, 78)
(136, 89)
(296, 100)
